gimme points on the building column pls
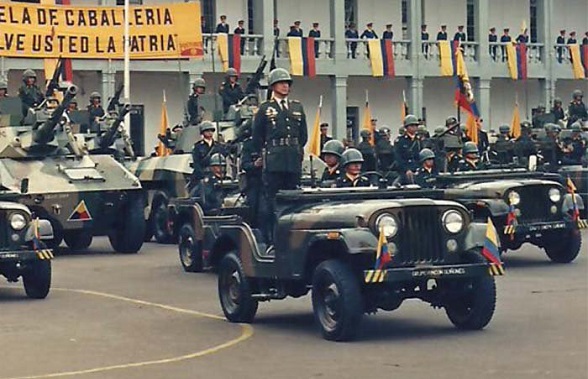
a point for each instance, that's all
(545, 9)
(483, 100)
(337, 8)
(415, 95)
(339, 106)
(482, 29)
(266, 18)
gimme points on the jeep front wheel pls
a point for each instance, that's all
(234, 291)
(189, 249)
(566, 248)
(471, 302)
(336, 301)
(160, 223)
(37, 279)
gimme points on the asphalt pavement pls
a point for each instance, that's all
(140, 316)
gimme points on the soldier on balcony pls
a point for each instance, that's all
(505, 38)
(561, 40)
(351, 33)
(315, 33)
(523, 37)
(222, 26)
(442, 34)
(425, 39)
(460, 34)
(388, 33)
(241, 30)
(492, 38)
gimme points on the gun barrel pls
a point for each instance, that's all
(44, 132)
(110, 135)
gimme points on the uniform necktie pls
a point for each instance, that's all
(284, 105)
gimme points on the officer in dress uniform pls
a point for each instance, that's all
(231, 91)
(388, 33)
(315, 33)
(425, 39)
(279, 136)
(29, 93)
(523, 37)
(251, 165)
(384, 151)
(504, 39)
(407, 149)
(297, 31)
(195, 111)
(426, 175)
(222, 27)
(351, 160)
(202, 152)
(561, 40)
(524, 146)
(577, 109)
(492, 38)
(442, 34)
(367, 151)
(504, 146)
(351, 33)
(471, 158)
(460, 34)
(241, 30)
(209, 190)
(331, 154)
(324, 128)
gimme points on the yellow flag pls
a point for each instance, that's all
(314, 147)
(515, 124)
(162, 151)
(472, 128)
(367, 119)
(222, 43)
(577, 68)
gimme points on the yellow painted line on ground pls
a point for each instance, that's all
(246, 332)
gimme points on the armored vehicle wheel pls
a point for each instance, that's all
(566, 249)
(78, 239)
(189, 249)
(129, 230)
(234, 291)
(160, 220)
(472, 302)
(336, 301)
(37, 279)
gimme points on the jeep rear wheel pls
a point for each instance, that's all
(77, 239)
(189, 249)
(565, 249)
(129, 230)
(234, 290)
(472, 302)
(37, 279)
(336, 301)
(160, 220)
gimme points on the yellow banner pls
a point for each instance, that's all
(576, 61)
(49, 31)
(295, 50)
(376, 59)
(446, 58)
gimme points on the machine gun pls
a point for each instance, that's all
(44, 132)
(53, 84)
(253, 83)
(110, 135)
(115, 100)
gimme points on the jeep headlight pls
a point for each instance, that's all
(554, 195)
(17, 221)
(514, 198)
(387, 224)
(452, 221)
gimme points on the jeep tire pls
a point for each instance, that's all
(336, 301)
(189, 249)
(160, 219)
(234, 290)
(37, 279)
(565, 249)
(472, 302)
(129, 231)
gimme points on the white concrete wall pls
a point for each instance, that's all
(235, 10)
(439, 98)
(305, 11)
(444, 12)
(570, 15)
(564, 89)
(509, 14)
(380, 13)
(502, 100)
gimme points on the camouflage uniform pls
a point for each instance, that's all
(31, 96)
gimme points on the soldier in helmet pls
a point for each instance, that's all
(524, 146)
(252, 166)
(324, 128)
(280, 131)
(407, 149)
(367, 150)
(550, 146)
(331, 154)
(384, 151)
(424, 136)
(574, 147)
(195, 111)
(351, 160)
(577, 109)
(471, 158)
(231, 91)
(504, 146)
(3, 89)
(539, 117)
(29, 93)
(210, 190)
(452, 125)
(95, 109)
(557, 111)
(72, 106)
(426, 175)
(203, 151)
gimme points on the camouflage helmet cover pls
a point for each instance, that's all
(351, 156)
(279, 75)
(334, 147)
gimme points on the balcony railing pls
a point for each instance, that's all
(562, 54)
(535, 52)
(252, 44)
(358, 49)
(430, 51)
(323, 47)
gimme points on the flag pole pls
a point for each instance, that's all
(312, 173)
(127, 65)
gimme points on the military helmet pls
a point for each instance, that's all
(450, 121)
(556, 128)
(502, 129)
(577, 93)
(422, 129)
(426, 154)
(410, 120)
(28, 73)
(541, 107)
(3, 84)
(206, 125)
(232, 72)
(577, 127)
(199, 82)
(470, 148)
(217, 160)
(351, 156)
(95, 95)
(384, 130)
(365, 133)
(334, 147)
(440, 130)
(526, 124)
(279, 75)
(557, 100)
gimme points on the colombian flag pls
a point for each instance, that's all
(302, 57)
(448, 51)
(382, 57)
(572, 191)
(515, 123)
(464, 95)
(579, 63)
(314, 146)
(517, 60)
(382, 253)
(229, 50)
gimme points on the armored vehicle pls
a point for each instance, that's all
(524, 206)
(333, 242)
(22, 251)
(81, 195)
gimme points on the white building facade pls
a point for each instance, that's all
(343, 81)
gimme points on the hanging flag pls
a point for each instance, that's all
(511, 219)
(382, 57)
(229, 50)
(584, 59)
(472, 128)
(314, 146)
(578, 66)
(515, 123)
(464, 95)
(448, 53)
(302, 56)
(162, 150)
(367, 119)
(490, 250)
(572, 191)
(404, 108)
(383, 255)
(517, 60)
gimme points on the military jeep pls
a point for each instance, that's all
(326, 241)
(22, 251)
(538, 204)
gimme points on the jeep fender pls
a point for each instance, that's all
(496, 207)
(475, 236)
(568, 202)
(44, 228)
(192, 213)
(240, 237)
(356, 241)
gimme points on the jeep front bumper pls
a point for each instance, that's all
(404, 274)
(25, 255)
(524, 229)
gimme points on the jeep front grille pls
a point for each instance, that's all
(535, 205)
(4, 231)
(420, 237)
